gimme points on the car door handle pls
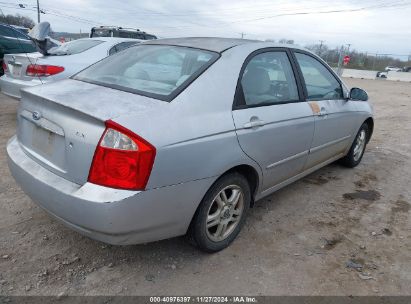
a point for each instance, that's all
(323, 112)
(254, 123)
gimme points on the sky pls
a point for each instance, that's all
(374, 26)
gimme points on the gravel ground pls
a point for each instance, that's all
(336, 232)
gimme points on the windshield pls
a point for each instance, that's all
(157, 71)
(74, 47)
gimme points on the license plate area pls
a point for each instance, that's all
(44, 145)
(15, 70)
(43, 141)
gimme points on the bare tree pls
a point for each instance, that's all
(17, 20)
(286, 41)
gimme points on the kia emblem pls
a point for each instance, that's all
(36, 115)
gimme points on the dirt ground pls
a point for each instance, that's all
(336, 232)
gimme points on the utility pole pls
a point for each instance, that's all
(242, 35)
(321, 47)
(348, 48)
(373, 63)
(38, 11)
(340, 60)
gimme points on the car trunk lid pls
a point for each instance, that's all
(17, 64)
(60, 124)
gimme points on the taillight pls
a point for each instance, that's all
(35, 70)
(4, 65)
(122, 159)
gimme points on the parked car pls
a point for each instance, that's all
(126, 155)
(24, 70)
(382, 74)
(406, 69)
(121, 32)
(393, 69)
(13, 41)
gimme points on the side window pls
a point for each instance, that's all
(320, 82)
(121, 46)
(269, 79)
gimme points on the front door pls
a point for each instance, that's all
(274, 124)
(334, 119)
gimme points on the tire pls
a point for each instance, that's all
(216, 213)
(353, 158)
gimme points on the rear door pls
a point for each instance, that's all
(274, 124)
(334, 114)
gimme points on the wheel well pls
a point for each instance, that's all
(250, 174)
(370, 122)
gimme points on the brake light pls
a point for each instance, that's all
(35, 70)
(4, 65)
(122, 159)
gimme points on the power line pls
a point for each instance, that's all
(328, 11)
(379, 5)
(58, 14)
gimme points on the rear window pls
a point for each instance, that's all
(101, 33)
(9, 32)
(129, 34)
(157, 71)
(74, 47)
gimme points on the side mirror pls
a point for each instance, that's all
(358, 94)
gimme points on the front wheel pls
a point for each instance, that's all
(354, 156)
(221, 213)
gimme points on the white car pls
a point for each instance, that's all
(62, 62)
(392, 69)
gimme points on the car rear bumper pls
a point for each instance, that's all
(110, 215)
(11, 86)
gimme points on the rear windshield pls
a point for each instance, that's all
(12, 33)
(100, 33)
(158, 71)
(74, 47)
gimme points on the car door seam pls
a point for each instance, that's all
(330, 143)
(284, 160)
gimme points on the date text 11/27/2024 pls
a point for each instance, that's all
(204, 299)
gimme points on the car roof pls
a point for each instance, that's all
(206, 43)
(216, 44)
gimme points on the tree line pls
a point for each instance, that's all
(359, 60)
(18, 20)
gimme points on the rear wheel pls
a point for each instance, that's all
(221, 214)
(354, 156)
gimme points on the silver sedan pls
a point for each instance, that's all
(30, 69)
(182, 136)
